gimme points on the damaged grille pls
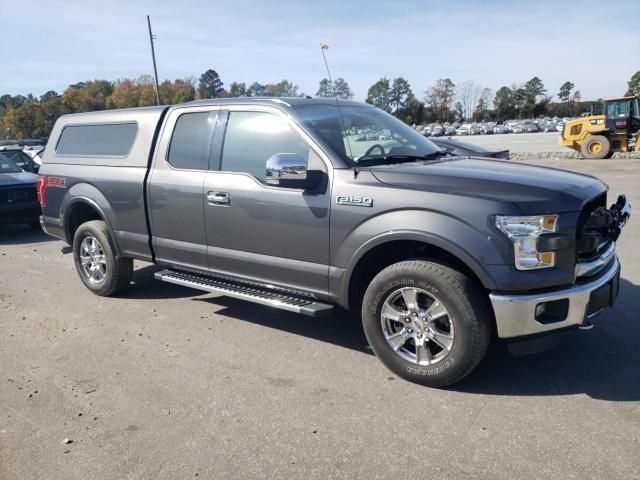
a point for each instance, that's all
(593, 230)
(16, 196)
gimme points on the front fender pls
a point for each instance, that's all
(474, 247)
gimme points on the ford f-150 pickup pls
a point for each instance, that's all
(311, 204)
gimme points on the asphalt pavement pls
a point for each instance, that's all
(164, 382)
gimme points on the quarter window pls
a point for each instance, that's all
(191, 140)
(107, 140)
(251, 138)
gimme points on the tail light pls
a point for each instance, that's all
(41, 184)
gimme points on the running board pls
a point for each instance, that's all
(246, 291)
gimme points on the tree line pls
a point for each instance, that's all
(34, 117)
(446, 101)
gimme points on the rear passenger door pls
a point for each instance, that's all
(175, 187)
(262, 232)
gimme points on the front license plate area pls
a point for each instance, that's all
(604, 296)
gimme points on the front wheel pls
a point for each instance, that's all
(428, 323)
(595, 147)
(99, 268)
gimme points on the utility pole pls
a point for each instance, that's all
(153, 56)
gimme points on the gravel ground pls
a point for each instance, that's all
(518, 142)
(166, 383)
(532, 146)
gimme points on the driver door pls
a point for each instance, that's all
(260, 232)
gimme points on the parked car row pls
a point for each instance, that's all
(490, 128)
(19, 164)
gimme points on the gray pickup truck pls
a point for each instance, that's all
(311, 204)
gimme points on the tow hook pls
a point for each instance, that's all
(587, 325)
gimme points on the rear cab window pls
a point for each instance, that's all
(109, 139)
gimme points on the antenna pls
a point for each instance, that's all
(153, 56)
(323, 47)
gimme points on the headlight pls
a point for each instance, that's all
(524, 233)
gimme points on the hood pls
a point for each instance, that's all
(531, 189)
(17, 178)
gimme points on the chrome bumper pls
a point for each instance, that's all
(516, 314)
(44, 229)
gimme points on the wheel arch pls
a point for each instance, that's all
(386, 249)
(81, 208)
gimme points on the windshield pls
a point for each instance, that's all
(7, 166)
(365, 135)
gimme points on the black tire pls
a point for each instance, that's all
(117, 270)
(609, 155)
(468, 312)
(595, 147)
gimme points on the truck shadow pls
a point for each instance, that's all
(22, 234)
(340, 328)
(145, 287)
(603, 363)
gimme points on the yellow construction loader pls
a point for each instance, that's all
(600, 136)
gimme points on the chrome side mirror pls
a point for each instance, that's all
(287, 170)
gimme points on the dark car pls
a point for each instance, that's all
(22, 159)
(464, 149)
(18, 198)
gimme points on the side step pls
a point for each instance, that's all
(246, 291)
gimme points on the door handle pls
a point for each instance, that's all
(218, 198)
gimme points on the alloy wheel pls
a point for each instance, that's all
(417, 326)
(93, 260)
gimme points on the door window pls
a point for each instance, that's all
(251, 138)
(191, 141)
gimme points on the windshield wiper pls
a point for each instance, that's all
(401, 157)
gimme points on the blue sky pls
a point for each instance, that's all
(50, 44)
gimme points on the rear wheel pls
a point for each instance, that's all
(427, 322)
(595, 147)
(99, 268)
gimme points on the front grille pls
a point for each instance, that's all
(592, 238)
(18, 195)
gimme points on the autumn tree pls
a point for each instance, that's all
(440, 98)
(125, 95)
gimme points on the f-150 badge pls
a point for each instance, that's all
(354, 200)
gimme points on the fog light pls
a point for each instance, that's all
(552, 312)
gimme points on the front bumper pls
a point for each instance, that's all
(19, 213)
(516, 314)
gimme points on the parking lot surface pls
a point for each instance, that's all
(164, 382)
